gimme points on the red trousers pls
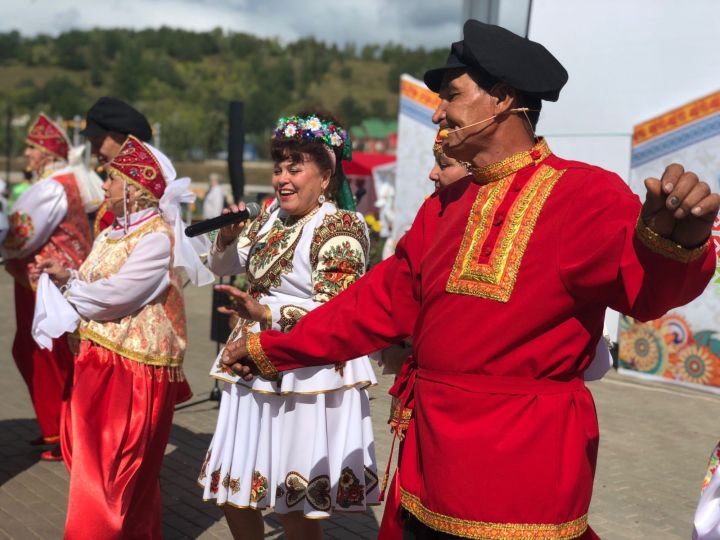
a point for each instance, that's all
(46, 373)
(116, 425)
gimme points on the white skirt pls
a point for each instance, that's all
(309, 452)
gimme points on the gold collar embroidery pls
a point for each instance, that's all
(511, 164)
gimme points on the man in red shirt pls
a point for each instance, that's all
(503, 281)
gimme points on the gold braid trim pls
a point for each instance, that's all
(495, 279)
(666, 247)
(483, 530)
(259, 358)
(511, 164)
(148, 359)
(149, 224)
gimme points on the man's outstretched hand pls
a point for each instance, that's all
(235, 356)
(680, 207)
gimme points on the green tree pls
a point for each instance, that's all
(10, 45)
(351, 111)
(378, 108)
(127, 72)
(63, 97)
(69, 48)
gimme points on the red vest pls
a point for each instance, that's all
(69, 243)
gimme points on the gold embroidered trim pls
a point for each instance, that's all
(140, 230)
(151, 360)
(259, 358)
(495, 279)
(173, 373)
(483, 530)
(511, 164)
(665, 247)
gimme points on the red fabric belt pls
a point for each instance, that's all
(499, 384)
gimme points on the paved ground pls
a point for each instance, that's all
(653, 452)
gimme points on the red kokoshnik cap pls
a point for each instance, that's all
(138, 165)
(48, 137)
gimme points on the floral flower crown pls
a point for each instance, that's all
(313, 128)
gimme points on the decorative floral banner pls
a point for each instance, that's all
(683, 347)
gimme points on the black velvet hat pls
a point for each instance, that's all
(113, 114)
(525, 65)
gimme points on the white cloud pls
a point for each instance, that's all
(427, 23)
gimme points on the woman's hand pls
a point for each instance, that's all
(242, 304)
(58, 274)
(229, 233)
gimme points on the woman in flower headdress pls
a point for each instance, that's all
(128, 374)
(302, 444)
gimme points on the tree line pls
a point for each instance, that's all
(184, 80)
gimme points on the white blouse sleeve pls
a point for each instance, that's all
(230, 261)
(145, 275)
(34, 217)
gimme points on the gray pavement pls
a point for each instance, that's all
(655, 441)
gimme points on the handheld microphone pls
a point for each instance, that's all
(252, 210)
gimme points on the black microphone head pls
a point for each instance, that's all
(252, 210)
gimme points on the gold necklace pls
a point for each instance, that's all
(300, 221)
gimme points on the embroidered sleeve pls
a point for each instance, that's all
(667, 248)
(338, 254)
(259, 358)
(36, 215)
(21, 230)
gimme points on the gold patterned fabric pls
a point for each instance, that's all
(490, 271)
(511, 164)
(483, 530)
(258, 356)
(667, 248)
(154, 335)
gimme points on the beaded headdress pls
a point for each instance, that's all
(137, 164)
(48, 137)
